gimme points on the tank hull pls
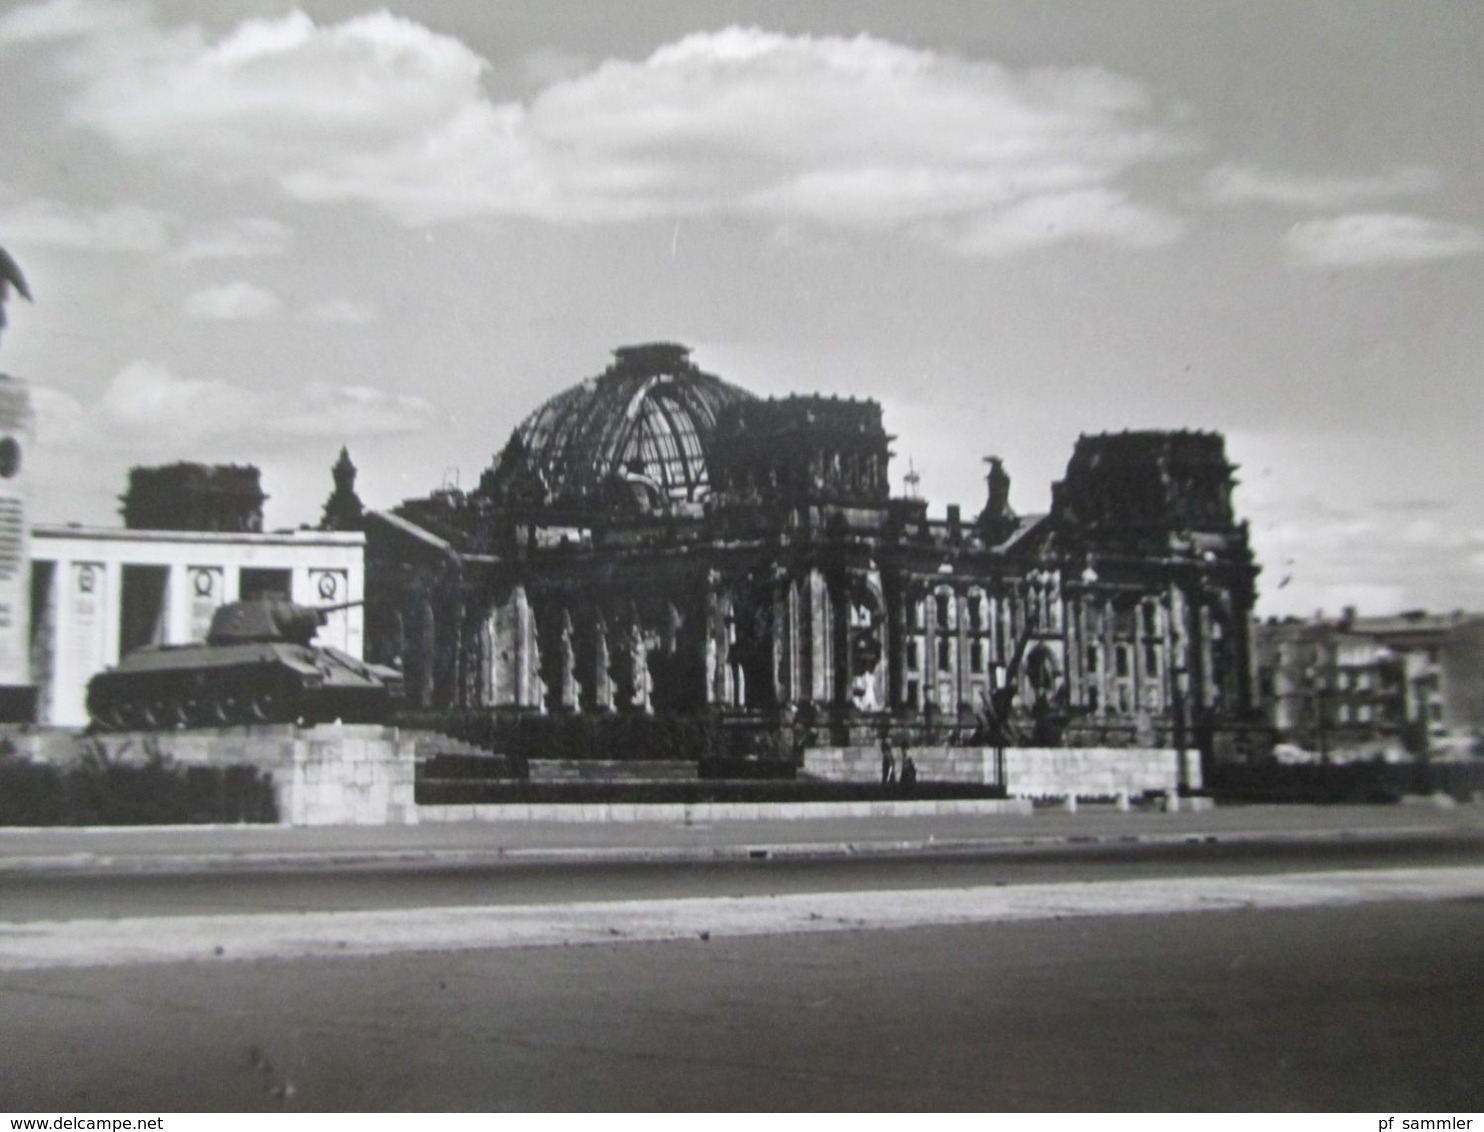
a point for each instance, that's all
(205, 685)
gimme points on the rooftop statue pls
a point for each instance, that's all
(10, 276)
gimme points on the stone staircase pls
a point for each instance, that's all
(451, 770)
(431, 744)
(447, 762)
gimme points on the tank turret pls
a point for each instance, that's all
(270, 619)
(257, 665)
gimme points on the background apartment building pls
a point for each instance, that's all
(1357, 687)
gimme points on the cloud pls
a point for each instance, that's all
(147, 413)
(548, 65)
(854, 133)
(1412, 505)
(236, 302)
(1239, 184)
(1084, 214)
(1371, 239)
(282, 95)
(1327, 522)
(1368, 598)
(1320, 555)
(246, 238)
(68, 19)
(49, 223)
(353, 410)
(347, 312)
(61, 419)
(1316, 527)
(149, 395)
(44, 222)
(147, 408)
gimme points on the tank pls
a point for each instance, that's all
(256, 666)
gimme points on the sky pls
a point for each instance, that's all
(256, 231)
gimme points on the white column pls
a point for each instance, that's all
(177, 604)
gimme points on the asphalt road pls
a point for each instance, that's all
(1374, 1008)
(388, 884)
(638, 980)
(219, 847)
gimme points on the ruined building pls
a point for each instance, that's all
(657, 542)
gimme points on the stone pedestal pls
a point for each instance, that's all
(346, 775)
(335, 774)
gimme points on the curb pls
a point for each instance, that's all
(185, 863)
(619, 813)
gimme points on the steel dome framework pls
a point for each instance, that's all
(652, 413)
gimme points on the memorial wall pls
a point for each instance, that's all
(16, 695)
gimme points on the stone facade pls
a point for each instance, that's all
(657, 541)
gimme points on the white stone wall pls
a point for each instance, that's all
(1030, 772)
(934, 764)
(348, 776)
(1091, 772)
(843, 764)
(694, 812)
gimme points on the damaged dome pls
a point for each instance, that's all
(651, 416)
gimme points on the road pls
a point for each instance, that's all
(1332, 972)
(61, 895)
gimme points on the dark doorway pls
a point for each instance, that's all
(43, 632)
(142, 607)
(255, 583)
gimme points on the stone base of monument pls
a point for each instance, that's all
(332, 774)
(343, 774)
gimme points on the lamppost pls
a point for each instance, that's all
(1181, 689)
(998, 674)
(1321, 711)
(1319, 697)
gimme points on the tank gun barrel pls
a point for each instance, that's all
(325, 610)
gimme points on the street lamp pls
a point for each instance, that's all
(997, 676)
(1319, 696)
(1181, 689)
